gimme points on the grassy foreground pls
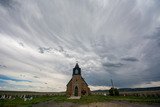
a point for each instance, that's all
(83, 100)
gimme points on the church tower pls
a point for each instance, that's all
(77, 85)
(76, 70)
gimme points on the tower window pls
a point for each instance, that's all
(76, 71)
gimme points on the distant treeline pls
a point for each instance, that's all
(139, 89)
(132, 89)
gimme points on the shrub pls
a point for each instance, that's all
(113, 92)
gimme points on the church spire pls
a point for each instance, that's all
(77, 66)
(77, 70)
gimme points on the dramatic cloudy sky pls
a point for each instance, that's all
(41, 40)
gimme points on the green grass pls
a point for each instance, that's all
(83, 100)
(19, 101)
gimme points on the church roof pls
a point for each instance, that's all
(82, 80)
(69, 81)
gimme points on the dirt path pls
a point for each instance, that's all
(99, 104)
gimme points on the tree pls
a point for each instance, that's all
(113, 92)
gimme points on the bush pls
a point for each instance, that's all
(113, 92)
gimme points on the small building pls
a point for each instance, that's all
(77, 85)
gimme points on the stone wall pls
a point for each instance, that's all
(78, 81)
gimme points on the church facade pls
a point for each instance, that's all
(77, 85)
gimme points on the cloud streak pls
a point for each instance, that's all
(132, 59)
(4, 78)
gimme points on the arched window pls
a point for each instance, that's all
(76, 91)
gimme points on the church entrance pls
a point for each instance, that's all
(76, 91)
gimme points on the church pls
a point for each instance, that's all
(77, 85)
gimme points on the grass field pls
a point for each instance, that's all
(83, 100)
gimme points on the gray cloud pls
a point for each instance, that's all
(132, 59)
(3, 66)
(35, 76)
(116, 40)
(108, 64)
(6, 3)
(43, 49)
(21, 44)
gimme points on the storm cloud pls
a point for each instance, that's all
(40, 41)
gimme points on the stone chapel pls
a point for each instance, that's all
(77, 85)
